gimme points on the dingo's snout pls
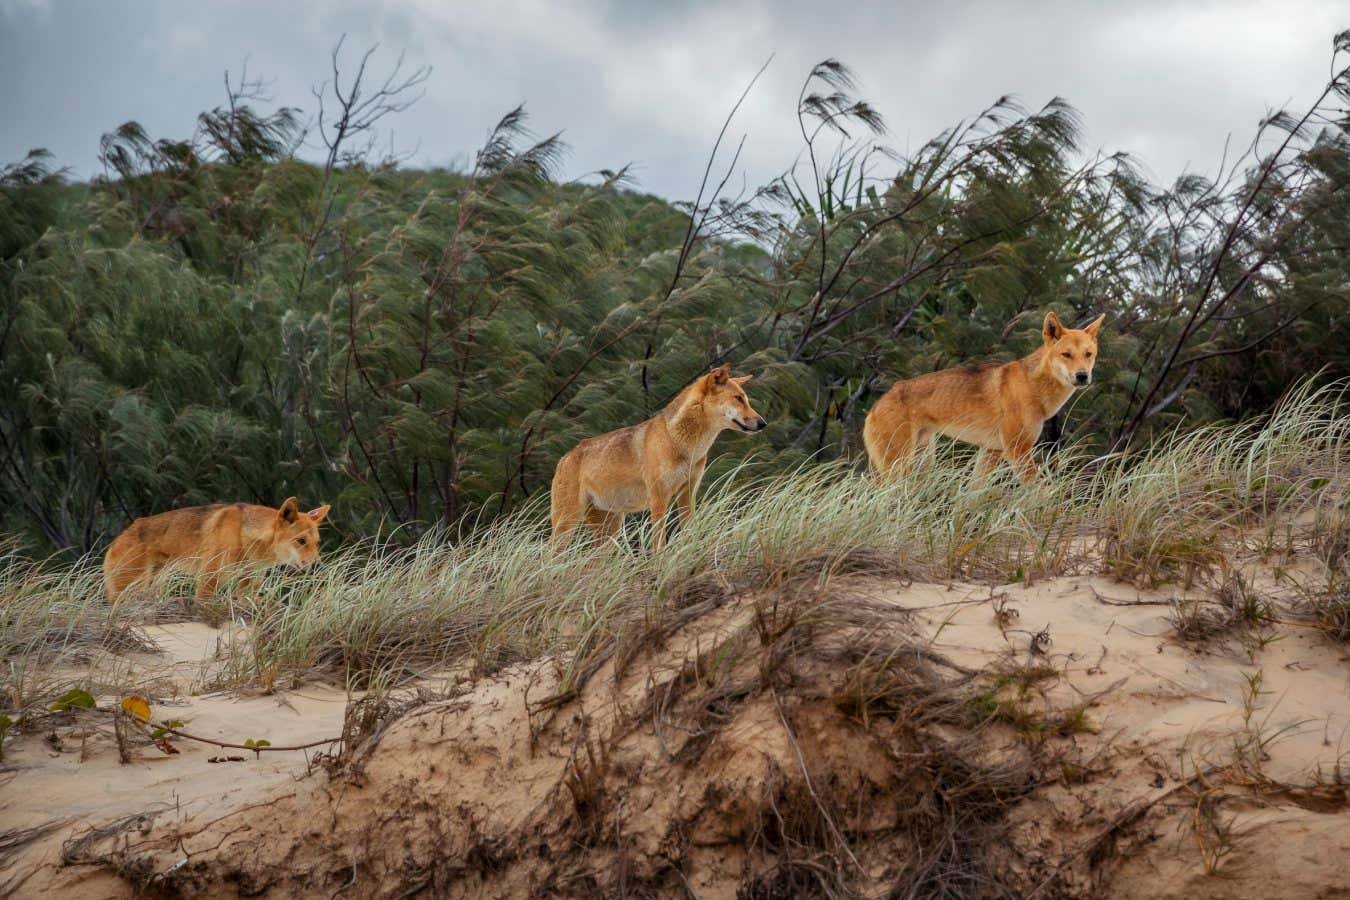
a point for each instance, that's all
(1082, 377)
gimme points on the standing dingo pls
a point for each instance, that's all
(1000, 408)
(644, 466)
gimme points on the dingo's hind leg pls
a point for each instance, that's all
(565, 504)
(122, 568)
(891, 453)
(116, 581)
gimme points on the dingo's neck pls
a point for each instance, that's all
(689, 427)
(1048, 390)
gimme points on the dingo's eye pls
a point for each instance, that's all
(301, 541)
(740, 400)
(1067, 355)
(1087, 355)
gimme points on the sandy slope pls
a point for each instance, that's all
(1186, 700)
(77, 779)
(1168, 712)
(687, 769)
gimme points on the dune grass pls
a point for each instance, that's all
(376, 612)
(54, 621)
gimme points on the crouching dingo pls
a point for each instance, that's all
(1000, 408)
(644, 466)
(203, 540)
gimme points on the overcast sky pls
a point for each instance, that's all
(649, 83)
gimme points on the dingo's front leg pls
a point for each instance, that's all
(658, 499)
(689, 493)
(989, 460)
(1017, 444)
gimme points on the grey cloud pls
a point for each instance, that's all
(649, 83)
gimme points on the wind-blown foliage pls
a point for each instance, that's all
(216, 319)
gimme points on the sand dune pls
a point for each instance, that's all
(1105, 757)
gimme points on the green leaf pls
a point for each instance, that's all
(75, 698)
(164, 728)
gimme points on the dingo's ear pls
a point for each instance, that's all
(1053, 328)
(742, 379)
(319, 514)
(1095, 325)
(720, 375)
(289, 510)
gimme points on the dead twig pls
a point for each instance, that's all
(224, 745)
(14, 839)
(1111, 601)
(806, 778)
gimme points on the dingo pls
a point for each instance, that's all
(1000, 408)
(205, 539)
(644, 466)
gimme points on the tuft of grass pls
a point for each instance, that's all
(56, 629)
(1331, 608)
(1236, 609)
(1326, 593)
(1012, 694)
(1165, 510)
(1195, 621)
(1245, 605)
(1331, 537)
